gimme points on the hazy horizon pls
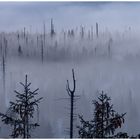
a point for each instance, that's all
(110, 15)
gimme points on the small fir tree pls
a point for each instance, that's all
(21, 112)
(105, 121)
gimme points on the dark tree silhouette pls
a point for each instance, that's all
(91, 32)
(97, 32)
(19, 50)
(44, 35)
(72, 96)
(42, 49)
(105, 120)
(21, 112)
(109, 46)
(24, 32)
(4, 73)
(52, 28)
(82, 32)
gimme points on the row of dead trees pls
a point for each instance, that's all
(41, 41)
(70, 33)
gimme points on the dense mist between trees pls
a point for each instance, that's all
(97, 58)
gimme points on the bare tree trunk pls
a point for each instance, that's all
(71, 94)
(44, 34)
(42, 50)
(3, 70)
(91, 32)
(97, 32)
(24, 33)
(26, 125)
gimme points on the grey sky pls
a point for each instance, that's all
(111, 15)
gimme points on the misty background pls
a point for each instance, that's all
(99, 65)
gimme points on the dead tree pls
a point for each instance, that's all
(44, 35)
(3, 63)
(42, 52)
(24, 33)
(19, 46)
(42, 49)
(4, 73)
(97, 32)
(5, 46)
(18, 37)
(71, 94)
(52, 28)
(82, 32)
(19, 51)
(26, 40)
(1, 48)
(37, 41)
(91, 32)
(109, 46)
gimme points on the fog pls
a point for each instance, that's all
(108, 62)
